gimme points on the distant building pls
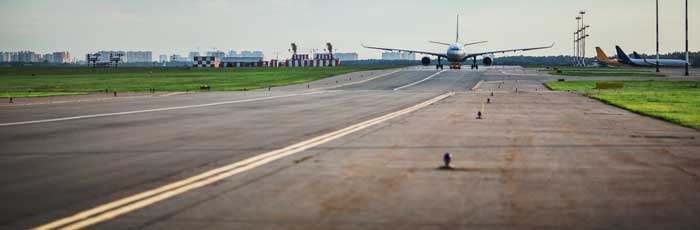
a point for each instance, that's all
(391, 56)
(346, 56)
(5, 57)
(105, 55)
(247, 53)
(219, 54)
(139, 56)
(242, 62)
(24, 56)
(60, 57)
(163, 58)
(21, 56)
(178, 58)
(232, 53)
(192, 55)
(47, 58)
(398, 56)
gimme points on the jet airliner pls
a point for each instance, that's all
(456, 54)
(648, 62)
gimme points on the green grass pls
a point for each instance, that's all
(605, 72)
(15, 81)
(675, 101)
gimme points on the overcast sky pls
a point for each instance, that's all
(177, 27)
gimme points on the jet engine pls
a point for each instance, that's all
(488, 59)
(425, 61)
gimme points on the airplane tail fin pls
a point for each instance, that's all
(457, 39)
(622, 55)
(636, 55)
(601, 54)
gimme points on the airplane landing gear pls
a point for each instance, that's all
(474, 65)
(439, 65)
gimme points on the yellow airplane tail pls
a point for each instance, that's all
(601, 55)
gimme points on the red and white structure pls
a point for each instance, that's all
(206, 62)
(298, 60)
(324, 56)
(271, 63)
(325, 60)
(320, 60)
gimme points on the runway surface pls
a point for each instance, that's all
(538, 159)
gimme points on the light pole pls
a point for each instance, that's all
(583, 37)
(687, 57)
(578, 40)
(657, 36)
(575, 33)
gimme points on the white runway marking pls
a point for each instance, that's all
(135, 202)
(524, 74)
(478, 85)
(152, 110)
(93, 100)
(363, 81)
(418, 82)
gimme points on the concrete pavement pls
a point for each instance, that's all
(538, 160)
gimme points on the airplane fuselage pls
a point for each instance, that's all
(611, 62)
(648, 62)
(662, 62)
(456, 53)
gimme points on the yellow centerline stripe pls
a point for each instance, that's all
(128, 204)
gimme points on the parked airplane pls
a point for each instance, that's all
(456, 53)
(603, 58)
(623, 58)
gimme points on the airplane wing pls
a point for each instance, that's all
(408, 51)
(466, 44)
(506, 51)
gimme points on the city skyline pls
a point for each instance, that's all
(179, 27)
